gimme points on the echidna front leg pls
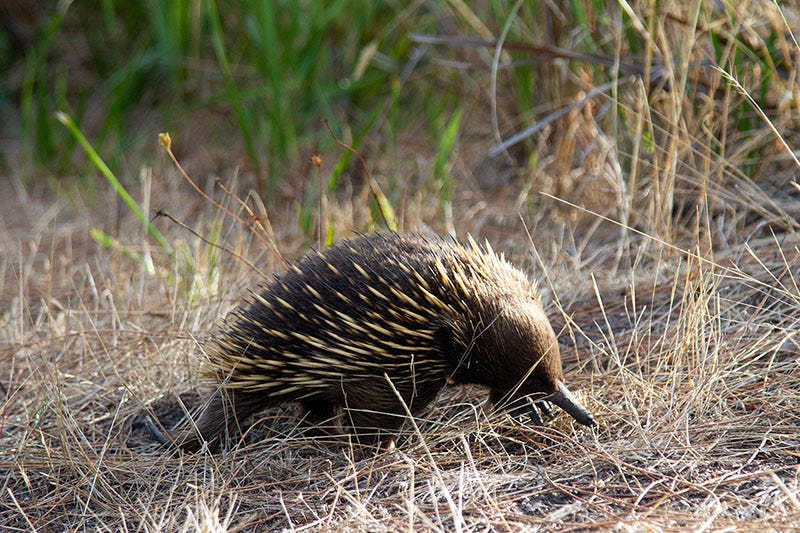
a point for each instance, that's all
(374, 413)
(372, 427)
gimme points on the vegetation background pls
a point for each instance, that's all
(638, 158)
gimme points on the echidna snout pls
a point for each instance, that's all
(524, 329)
(567, 401)
(374, 327)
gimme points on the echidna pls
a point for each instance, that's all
(345, 331)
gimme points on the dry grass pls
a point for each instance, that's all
(674, 287)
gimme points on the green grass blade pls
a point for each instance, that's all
(98, 162)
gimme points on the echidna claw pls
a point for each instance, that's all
(534, 409)
(533, 412)
(537, 408)
(156, 433)
(546, 408)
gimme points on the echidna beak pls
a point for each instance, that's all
(569, 403)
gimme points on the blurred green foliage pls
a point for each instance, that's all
(272, 69)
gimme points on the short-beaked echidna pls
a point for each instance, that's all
(338, 326)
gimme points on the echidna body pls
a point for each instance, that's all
(347, 330)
